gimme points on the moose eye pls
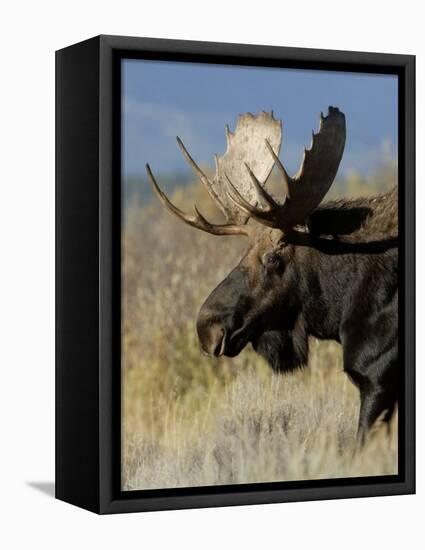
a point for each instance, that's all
(271, 260)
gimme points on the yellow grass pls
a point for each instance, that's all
(189, 420)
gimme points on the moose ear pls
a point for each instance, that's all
(246, 146)
(334, 220)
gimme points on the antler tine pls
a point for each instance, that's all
(260, 189)
(266, 216)
(198, 172)
(286, 178)
(255, 213)
(198, 220)
(239, 200)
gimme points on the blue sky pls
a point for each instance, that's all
(196, 101)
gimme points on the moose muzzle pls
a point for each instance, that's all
(222, 319)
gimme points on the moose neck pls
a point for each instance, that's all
(321, 281)
(341, 249)
(330, 275)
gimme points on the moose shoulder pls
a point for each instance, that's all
(325, 270)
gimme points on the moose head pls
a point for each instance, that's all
(251, 299)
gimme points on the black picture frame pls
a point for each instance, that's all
(88, 224)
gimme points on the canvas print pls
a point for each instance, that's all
(259, 276)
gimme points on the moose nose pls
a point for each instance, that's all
(212, 338)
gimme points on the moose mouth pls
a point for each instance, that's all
(237, 341)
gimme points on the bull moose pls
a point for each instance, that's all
(325, 270)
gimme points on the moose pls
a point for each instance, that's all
(327, 270)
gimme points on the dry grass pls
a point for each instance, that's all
(189, 420)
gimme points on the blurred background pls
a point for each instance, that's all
(188, 419)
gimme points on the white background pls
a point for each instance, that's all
(30, 32)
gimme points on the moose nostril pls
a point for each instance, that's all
(212, 335)
(220, 343)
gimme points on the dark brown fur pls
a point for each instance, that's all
(359, 220)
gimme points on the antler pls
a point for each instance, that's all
(305, 191)
(247, 143)
(198, 219)
(240, 193)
